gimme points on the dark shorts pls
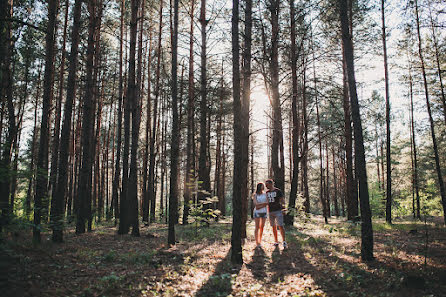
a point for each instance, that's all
(276, 218)
(259, 215)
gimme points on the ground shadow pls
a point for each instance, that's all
(257, 265)
(220, 282)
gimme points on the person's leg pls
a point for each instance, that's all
(256, 232)
(272, 220)
(282, 232)
(261, 225)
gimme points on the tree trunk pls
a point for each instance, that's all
(438, 62)
(145, 192)
(289, 218)
(350, 197)
(6, 93)
(42, 157)
(305, 141)
(135, 112)
(32, 175)
(174, 151)
(84, 190)
(190, 158)
(203, 170)
(277, 157)
(431, 120)
(388, 156)
(414, 149)
(246, 96)
(236, 237)
(152, 189)
(360, 164)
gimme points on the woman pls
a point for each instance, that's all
(260, 208)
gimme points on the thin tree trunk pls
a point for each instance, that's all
(246, 96)
(42, 157)
(203, 170)
(360, 164)
(431, 120)
(305, 141)
(236, 237)
(32, 175)
(295, 116)
(146, 196)
(190, 158)
(152, 189)
(84, 193)
(438, 63)
(174, 151)
(414, 148)
(133, 95)
(388, 156)
(350, 197)
(277, 161)
(6, 93)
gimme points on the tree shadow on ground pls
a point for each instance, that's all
(257, 265)
(220, 282)
(335, 275)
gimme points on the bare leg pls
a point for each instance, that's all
(261, 225)
(275, 233)
(282, 232)
(256, 232)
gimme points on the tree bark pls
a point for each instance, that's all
(174, 151)
(84, 190)
(203, 168)
(360, 164)
(431, 120)
(236, 237)
(289, 218)
(388, 156)
(246, 96)
(42, 157)
(277, 156)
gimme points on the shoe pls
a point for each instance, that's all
(276, 244)
(258, 246)
(285, 245)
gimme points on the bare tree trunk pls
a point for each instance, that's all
(58, 115)
(414, 149)
(174, 151)
(203, 170)
(6, 93)
(350, 197)
(145, 191)
(42, 157)
(84, 190)
(32, 175)
(431, 120)
(335, 188)
(305, 140)
(152, 189)
(190, 163)
(277, 161)
(388, 156)
(246, 96)
(295, 116)
(438, 62)
(360, 164)
(236, 237)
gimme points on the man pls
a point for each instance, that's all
(276, 204)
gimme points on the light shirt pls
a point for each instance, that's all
(261, 199)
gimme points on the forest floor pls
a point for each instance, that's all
(321, 260)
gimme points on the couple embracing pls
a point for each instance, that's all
(272, 204)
